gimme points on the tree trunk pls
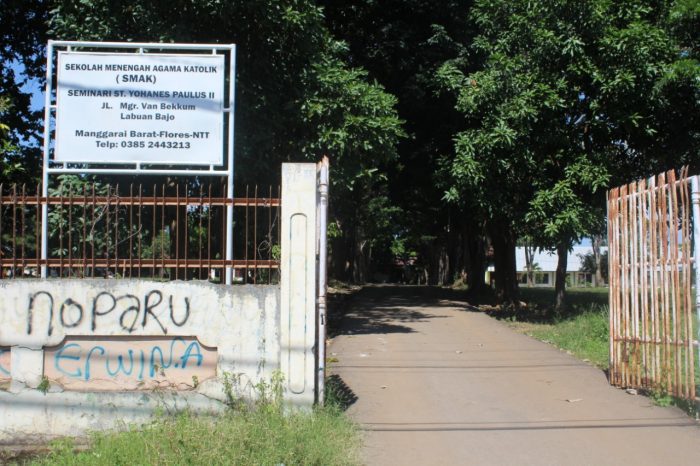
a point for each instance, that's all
(475, 261)
(560, 283)
(529, 265)
(452, 251)
(598, 277)
(444, 266)
(504, 261)
(359, 267)
(436, 267)
(433, 264)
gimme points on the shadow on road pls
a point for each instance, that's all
(338, 392)
(384, 309)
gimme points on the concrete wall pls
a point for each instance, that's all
(130, 344)
(85, 354)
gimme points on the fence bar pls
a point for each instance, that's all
(37, 229)
(94, 230)
(84, 267)
(92, 243)
(654, 281)
(695, 182)
(116, 231)
(177, 231)
(269, 236)
(131, 230)
(167, 200)
(209, 267)
(1, 212)
(245, 240)
(70, 231)
(224, 230)
(255, 235)
(687, 277)
(162, 235)
(60, 236)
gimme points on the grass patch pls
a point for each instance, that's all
(262, 435)
(540, 302)
(584, 335)
(582, 329)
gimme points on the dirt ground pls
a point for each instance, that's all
(432, 382)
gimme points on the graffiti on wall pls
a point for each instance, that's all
(154, 310)
(120, 335)
(5, 363)
(129, 363)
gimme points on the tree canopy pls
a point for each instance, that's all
(23, 40)
(568, 97)
(297, 97)
(454, 131)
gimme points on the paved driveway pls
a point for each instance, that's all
(434, 383)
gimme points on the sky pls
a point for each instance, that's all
(31, 86)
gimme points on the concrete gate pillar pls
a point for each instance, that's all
(298, 282)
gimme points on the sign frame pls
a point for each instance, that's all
(51, 167)
(127, 121)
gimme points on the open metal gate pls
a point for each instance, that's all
(650, 234)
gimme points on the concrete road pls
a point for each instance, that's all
(433, 383)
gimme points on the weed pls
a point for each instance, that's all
(61, 447)
(270, 393)
(159, 411)
(660, 397)
(44, 385)
(260, 434)
(230, 382)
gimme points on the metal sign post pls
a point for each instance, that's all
(153, 106)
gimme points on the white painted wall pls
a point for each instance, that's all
(238, 325)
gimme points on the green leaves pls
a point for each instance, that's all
(513, 162)
(568, 99)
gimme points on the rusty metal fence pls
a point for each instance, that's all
(164, 232)
(651, 274)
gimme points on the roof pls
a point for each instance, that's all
(547, 260)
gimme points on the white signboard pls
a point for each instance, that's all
(150, 108)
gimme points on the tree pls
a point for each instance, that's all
(567, 100)
(9, 166)
(402, 43)
(600, 269)
(354, 121)
(595, 266)
(22, 38)
(529, 249)
(297, 99)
